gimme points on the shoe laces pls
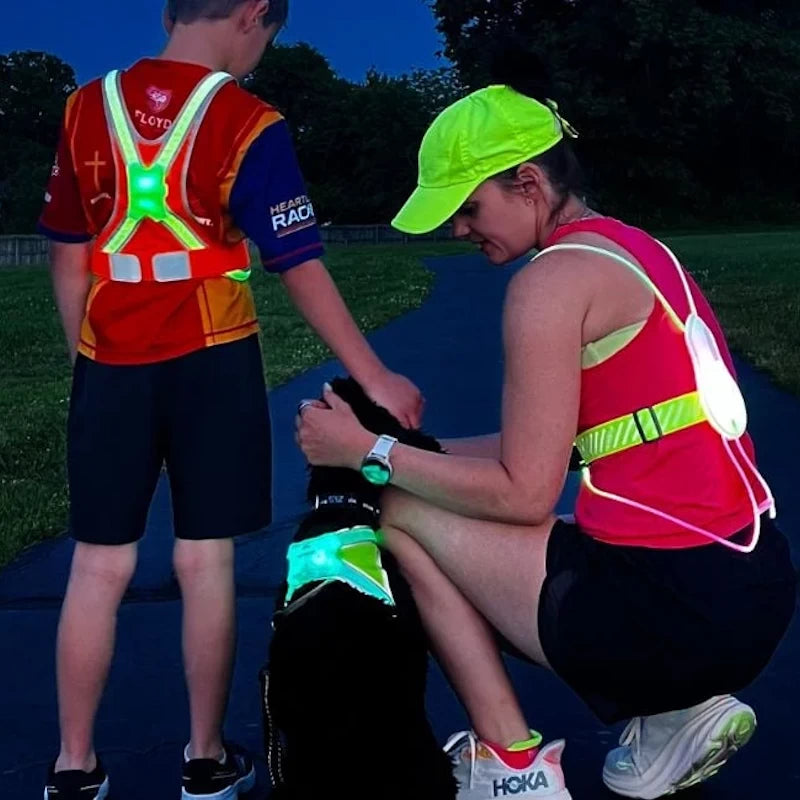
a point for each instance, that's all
(460, 740)
(632, 737)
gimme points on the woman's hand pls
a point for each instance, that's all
(332, 436)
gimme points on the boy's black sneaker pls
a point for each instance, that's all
(209, 779)
(76, 785)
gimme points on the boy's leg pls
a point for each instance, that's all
(205, 574)
(219, 461)
(113, 463)
(86, 633)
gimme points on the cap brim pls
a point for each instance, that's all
(427, 209)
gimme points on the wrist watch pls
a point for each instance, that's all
(376, 467)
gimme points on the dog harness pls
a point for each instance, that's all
(350, 555)
(716, 401)
(152, 234)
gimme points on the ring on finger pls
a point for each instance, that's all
(303, 405)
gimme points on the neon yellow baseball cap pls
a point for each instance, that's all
(476, 138)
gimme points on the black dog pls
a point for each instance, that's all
(344, 690)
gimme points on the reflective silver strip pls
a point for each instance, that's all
(169, 267)
(125, 268)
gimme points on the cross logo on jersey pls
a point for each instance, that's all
(158, 99)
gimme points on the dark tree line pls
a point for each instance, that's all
(688, 110)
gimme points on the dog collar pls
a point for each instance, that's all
(344, 501)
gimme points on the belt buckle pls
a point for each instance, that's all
(640, 427)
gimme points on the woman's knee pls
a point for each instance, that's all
(414, 563)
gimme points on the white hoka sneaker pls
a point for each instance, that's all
(662, 754)
(482, 775)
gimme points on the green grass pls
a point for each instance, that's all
(753, 282)
(378, 283)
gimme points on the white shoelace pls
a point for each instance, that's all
(632, 737)
(457, 739)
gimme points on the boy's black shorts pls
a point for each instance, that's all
(205, 416)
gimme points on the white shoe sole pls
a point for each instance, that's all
(102, 792)
(242, 786)
(725, 730)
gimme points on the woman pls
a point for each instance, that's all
(668, 592)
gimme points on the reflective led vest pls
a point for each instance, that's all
(152, 234)
(716, 401)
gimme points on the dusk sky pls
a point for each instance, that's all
(392, 35)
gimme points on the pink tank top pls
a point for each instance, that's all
(688, 474)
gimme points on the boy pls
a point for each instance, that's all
(161, 173)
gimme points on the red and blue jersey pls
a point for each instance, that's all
(243, 181)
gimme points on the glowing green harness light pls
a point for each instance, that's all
(148, 192)
(148, 189)
(350, 556)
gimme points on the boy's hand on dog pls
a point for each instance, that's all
(399, 396)
(331, 435)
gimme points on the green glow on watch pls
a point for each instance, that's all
(376, 474)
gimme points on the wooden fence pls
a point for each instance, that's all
(23, 251)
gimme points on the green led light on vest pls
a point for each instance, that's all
(239, 275)
(147, 192)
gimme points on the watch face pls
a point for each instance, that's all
(376, 473)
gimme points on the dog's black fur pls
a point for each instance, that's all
(344, 690)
